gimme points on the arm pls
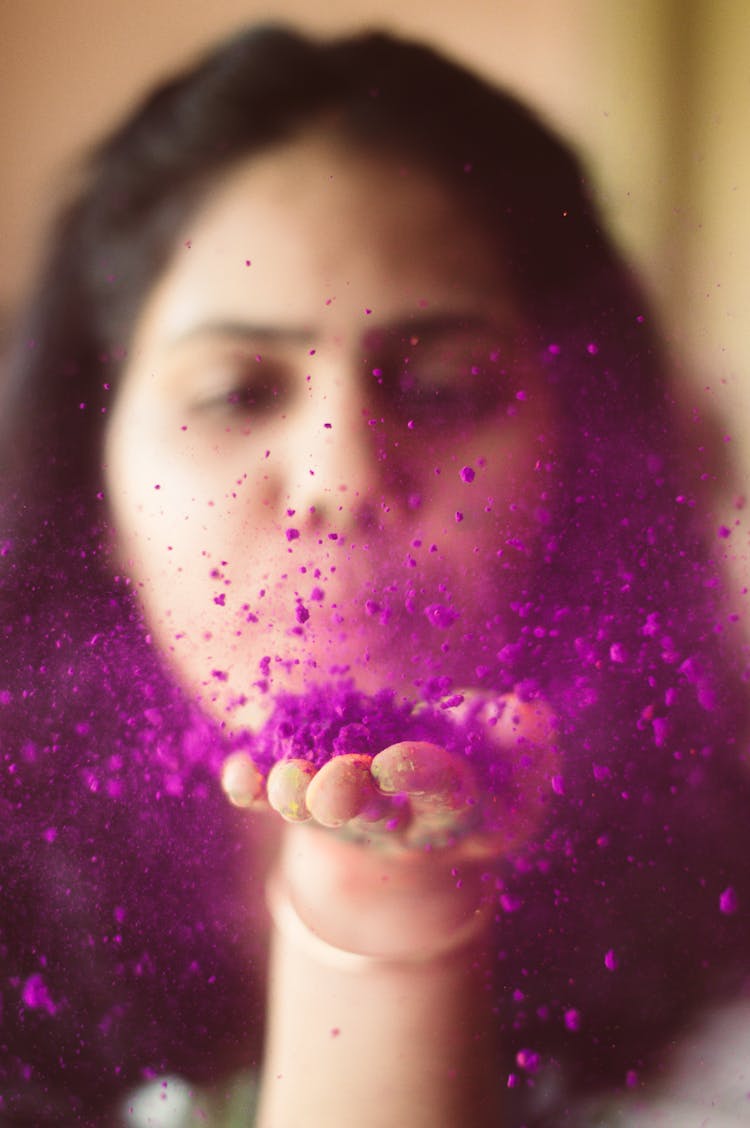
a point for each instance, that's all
(380, 994)
(399, 1038)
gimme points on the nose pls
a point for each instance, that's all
(334, 457)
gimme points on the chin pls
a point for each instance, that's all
(413, 656)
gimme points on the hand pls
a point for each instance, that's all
(415, 794)
(383, 900)
(393, 897)
(411, 838)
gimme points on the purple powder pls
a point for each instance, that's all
(528, 1060)
(36, 995)
(330, 721)
(441, 616)
(728, 901)
(301, 613)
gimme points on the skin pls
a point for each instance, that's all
(267, 391)
(406, 1036)
(329, 266)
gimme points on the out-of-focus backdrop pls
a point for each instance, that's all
(655, 94)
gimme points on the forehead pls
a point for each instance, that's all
(311, 234)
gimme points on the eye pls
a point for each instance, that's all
(254, 396)
(452, 381)
(248, 387)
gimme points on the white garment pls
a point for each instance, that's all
(172, 1102)
(705, 1083)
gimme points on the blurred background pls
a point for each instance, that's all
(654, 94)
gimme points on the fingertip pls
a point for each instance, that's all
(287, 786)
(242, 781)
(341, 790)
(391, 767)
(413, 767)
(518, 721)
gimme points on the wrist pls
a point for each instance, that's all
(452, 941)
(340, 1020)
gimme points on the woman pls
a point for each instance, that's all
(334, 386)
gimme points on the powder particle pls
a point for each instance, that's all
(528, 1060)
(36, 995)
(441, 616)
(728, 901)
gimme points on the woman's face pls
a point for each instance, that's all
(330, 449)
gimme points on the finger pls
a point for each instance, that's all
(384, 818)
(342, 790)
(523, 731)
(525, 735)
(426, 772)
(528, 731)
(242, 781)
(510, 719)
(443, 804)
(515, 722)
(287, 786)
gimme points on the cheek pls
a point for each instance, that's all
(173, 501)
(492, 488)
(201, 532)
(195, 534)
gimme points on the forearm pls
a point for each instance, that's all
(379, 1009)
(378, 1042)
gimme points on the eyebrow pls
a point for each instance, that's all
(436, 323)
(245, 330)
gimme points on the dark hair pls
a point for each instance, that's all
(623, 628)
